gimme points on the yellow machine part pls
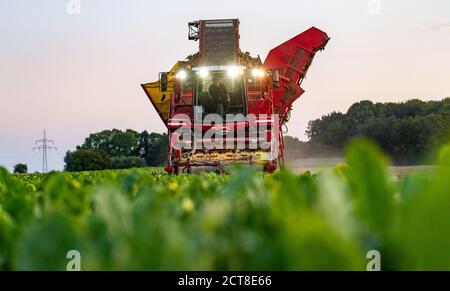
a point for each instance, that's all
(160, 99)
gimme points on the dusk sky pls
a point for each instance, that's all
(74, 74)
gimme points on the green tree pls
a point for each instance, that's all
(87, 160)
(20, 169)
(331, 129)
(152, 148)
(408, 131)
(127, 162)
(115, 143)
(361, 112)
(381, 130)
(128, 148)
(411, 139)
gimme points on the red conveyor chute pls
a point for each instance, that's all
(292, 59)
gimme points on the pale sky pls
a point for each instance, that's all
(78, 74)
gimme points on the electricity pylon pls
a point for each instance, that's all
(43, 145)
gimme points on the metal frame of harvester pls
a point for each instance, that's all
(263, 90)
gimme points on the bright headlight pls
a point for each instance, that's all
(234, 72)
(181, 75)
(203, 73)
(258, 73)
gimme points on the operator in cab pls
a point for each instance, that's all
(219, 95)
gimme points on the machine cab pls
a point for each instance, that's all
(220, 90)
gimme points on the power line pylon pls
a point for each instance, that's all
(43, 145)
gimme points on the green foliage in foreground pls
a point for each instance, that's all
(144, 219)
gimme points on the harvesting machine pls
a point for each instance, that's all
(221, 105)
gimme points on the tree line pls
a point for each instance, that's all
(407, 131)
(117, 149)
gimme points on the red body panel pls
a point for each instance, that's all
(293, 58)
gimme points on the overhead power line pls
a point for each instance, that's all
(43, 145)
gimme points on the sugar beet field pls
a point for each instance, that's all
(144, 219)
